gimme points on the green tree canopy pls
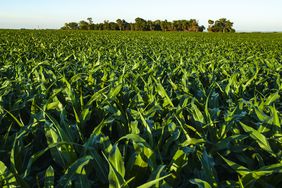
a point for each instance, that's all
(140, 24)
(71, 26)
(221, 25)
(83, 25)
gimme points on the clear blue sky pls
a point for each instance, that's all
(247, 15)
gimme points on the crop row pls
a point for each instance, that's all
(128, 109)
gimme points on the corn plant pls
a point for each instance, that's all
(137, 109)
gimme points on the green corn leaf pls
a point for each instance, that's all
(116, 160)
(49, 178)
(77, 172)
(149, 133)
(157, 174)
(114, 177)
(115, 91)
(200, 183)
(269, 169)
(208, 164)
(197, 114)
(243, 171)
(16, 119)
(271, 98)
(275, 117)
(63, 155)
(7, 179)
(153, 182)
(258, 137)
(262, 116)
(161, 91)
(179, 161)
(135, 138)
(53, 105)
(3, 168)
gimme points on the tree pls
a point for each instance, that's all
(120, 24)
(132, 26)
(194, 26)
(201, 28)
(126, 25)
(91, 25)
(113, 26)
(100, 26)
(90, 21)
(177, 25)
(150, 25)
(221, 25)
(211, 22)
(83, 25)
(140, 24)
(71, 26)
(157, 25)
(106, 25)
(164, 25)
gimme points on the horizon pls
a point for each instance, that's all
(250, 16)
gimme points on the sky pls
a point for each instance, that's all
(247, 15)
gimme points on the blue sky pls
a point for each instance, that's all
(247, 15)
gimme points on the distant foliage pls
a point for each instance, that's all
(222, 25)
(140, 24)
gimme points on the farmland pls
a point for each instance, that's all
(129, 109)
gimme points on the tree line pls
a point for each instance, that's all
(140, 24)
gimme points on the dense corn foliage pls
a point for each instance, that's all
(123, 109)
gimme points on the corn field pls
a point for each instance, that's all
(140, 109)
